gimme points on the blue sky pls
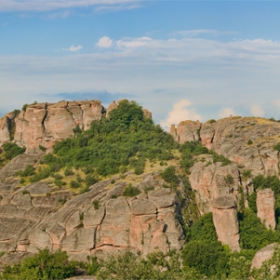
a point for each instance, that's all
(179, 59)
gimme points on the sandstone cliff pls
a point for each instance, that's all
(42, 124)
(247, 141)
(98, 222)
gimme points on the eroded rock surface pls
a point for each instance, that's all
(247, 141)
(265, 206)
(262, 255)
(210, 181)
(36, 216)
(225, 221)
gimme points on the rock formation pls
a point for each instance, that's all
(262, 255)
(247, 141)
(43, 216)
(186, 131)
(225, 221)
(265, 206)
(210, 182)
(42, 124)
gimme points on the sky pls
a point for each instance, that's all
(181, 60)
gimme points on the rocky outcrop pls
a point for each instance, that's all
(225, 221)
(42, 124)
(211, 181)
(98, 222)
(265, 206)
(115, 105)
(262, 255)
(247, 141)
(186, 131)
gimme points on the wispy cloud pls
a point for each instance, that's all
(105, 42)
(73, 48)
(202, 32)
(43, 5)
(210, 73)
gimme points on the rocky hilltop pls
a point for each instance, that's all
(170, 186)
(41, 124)
(247, 141)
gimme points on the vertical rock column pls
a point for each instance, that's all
(225, 221)
(265, 205)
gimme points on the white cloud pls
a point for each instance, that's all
(105, 42)
(226, 112)
(276, 103)
(257, 111)
(211, 73)
(73, 48)
(134, 43)
(179, 113)
(43, 5)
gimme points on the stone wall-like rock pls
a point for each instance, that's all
(225, 221)
(247, 141)
(265, 206)
(44, 123)
(209, 181)
(35, 217)
(186, 131)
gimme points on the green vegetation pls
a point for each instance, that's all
(131, 191)
(253, 234)
(169, 176)
(12, 150)
(123, 141)
(43, 266)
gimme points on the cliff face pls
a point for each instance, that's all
(246, 141)
(44, 123)
(36, 216)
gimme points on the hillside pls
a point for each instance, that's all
(97, 183)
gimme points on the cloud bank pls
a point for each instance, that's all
(214, 75)
(43, 5)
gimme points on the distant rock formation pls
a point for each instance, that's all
(42, 124)
(225, 221)
(186, 131)
(265, 206)
(247, 141)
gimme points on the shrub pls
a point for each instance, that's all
(90, 180)
(68, 172)
(44, 265)
(250, 142)
(209, 258)
(95, 204)
(169, 175)
(12, 150)
(74, 184)
(229, 179)
(42, 148)
(131, 191)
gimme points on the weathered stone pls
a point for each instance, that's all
(262, 255)
(265, 206)
(225, 221)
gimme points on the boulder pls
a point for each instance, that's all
(262, 255)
